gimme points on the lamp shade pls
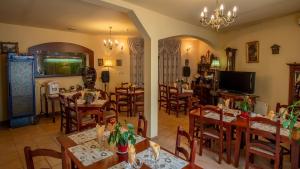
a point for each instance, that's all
(215, 63)
(108, 63)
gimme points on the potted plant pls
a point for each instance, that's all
(245, 107)
(122, 136)
(290, 117)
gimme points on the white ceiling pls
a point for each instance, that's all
(249, 11)
(66, 14)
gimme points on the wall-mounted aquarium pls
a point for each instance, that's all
(59, 64)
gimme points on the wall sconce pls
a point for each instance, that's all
(188, 49)
(108, 63)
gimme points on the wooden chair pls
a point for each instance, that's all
(63, 114)
(123, 99)
(142, 125)
(83, 120)
(192, 143)
(163, 96)
(175, 102)
(125, 84)
(261, 147)
(30, 154)
(138, 100)
(110, 113)
(211, 129)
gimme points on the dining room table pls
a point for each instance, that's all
(240, 124)
(83, 150)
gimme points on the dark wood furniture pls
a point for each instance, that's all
(230, 53)
(30, 154)
(52, 98)
(294, 82)
(123, 99)
(62, 47)
(211, 129)
(176, 101)
(138, 100)
(87, 115)
(142, 125)
(241, 126)
(260, 147)
(163, 96)
(66, 142)
(192, 144)
(235, 97)
(63, 114)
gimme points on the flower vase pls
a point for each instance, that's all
(122, 149)
(244, 115)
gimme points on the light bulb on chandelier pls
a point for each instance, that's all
(218, 19)
(109, 43)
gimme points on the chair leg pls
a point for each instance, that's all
(247, 160)
(220, 151)
(61, 122)
(177, 109)
(200, 146)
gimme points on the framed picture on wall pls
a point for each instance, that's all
(119, 62)
(100, 62)
(252, 52)
(9, 47)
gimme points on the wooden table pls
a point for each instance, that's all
(68, 158)
(241, 126)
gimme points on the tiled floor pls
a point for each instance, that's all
(43, 135)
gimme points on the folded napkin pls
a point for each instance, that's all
(100, 131)
(155, 148)
(271, 115)
(131, 154)
(111, 126)
(226, 103)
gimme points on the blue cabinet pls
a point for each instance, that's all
(21, 94)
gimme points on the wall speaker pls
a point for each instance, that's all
(186, 71)
(105, 76)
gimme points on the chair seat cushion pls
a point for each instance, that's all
(270, 151)
(122, 102)
(211, 133)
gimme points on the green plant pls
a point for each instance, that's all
(246, 104)
(122, 136)
(290, 118)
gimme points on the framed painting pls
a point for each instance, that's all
(100, 62)
(9, 47)
(119, 62)
(252, 52)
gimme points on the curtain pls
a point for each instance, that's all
(169, 61)
(136, 52)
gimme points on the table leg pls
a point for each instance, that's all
(191, 124)
(228, 144)
(294, 155)
(237, 146)
(46, 106)
(53, 110)
(66, 161)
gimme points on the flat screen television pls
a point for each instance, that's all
(239, 82)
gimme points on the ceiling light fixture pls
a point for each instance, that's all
(110, 43)
(218, 18)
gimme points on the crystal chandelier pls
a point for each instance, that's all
(218, 18)
(110, 43)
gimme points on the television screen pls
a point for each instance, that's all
(240, 82)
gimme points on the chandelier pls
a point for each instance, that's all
(110, 43)
(218, 17)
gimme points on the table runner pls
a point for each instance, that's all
(166, 160)
(90, 134)
(216, 116)
(90, 152)
(271, 129)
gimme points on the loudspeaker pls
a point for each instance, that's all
(186, 71)
(105, 76)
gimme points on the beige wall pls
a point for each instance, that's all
(272, 73)
(30, 36)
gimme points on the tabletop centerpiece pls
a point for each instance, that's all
(121, 136)
(245, 107)
(289, 120)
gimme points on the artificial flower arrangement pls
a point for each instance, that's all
(245, 106)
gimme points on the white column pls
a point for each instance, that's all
(151, 85)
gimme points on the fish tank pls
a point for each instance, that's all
(59, 64)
